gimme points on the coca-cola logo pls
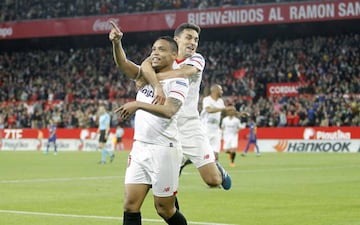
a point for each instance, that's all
(6, 31)
(104, 25)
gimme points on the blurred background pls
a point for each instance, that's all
(293, 59)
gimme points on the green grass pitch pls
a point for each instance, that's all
(274, 189)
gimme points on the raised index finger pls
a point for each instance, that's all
(114, 25)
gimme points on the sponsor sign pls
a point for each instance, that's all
(67, 139)
(208, 18)
(290, 139)
(282, 89)
(305, 139)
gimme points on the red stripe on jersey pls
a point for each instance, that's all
(178, 93)
(178, 61)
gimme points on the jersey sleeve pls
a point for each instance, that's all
(197, 61)
(179, 89)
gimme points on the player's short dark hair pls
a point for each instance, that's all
(172, 42)
(184, 26)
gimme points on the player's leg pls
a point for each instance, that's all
(47, 147)
(257, 149)
(166, 163)
(197, 148)
(137, 184)
(133, 200)
(165, 208)
(234, 145)
(103, 153)
(210, 171)
(215, 142)
(55, 147)
(246, 148)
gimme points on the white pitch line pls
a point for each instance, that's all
(57, 179)
(97, 217)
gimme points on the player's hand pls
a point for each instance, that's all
(115, 34)
(127, 109)
(244, 114)
(159, 96)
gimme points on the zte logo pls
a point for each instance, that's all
(281, 145)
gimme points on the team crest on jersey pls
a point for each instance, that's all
(170, 19)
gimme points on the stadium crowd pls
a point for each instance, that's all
(68, 85)
(13, 10)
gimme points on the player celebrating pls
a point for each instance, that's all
(154, 161)
(188, 64)
(212, 107)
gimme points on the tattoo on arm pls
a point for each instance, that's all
(175, 103)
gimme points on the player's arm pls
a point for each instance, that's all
(147, 71)
(212, 109)
(129, 68)
(167, 110)
(185, 71)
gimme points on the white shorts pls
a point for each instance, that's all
(154, 165)
(215, 139)
(230, 141)
(194, 141)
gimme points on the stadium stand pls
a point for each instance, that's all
(67, 84)
(327, 68)
(13, 10)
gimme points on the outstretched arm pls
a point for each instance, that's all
(132, 70)
(210, 109)
(129, 68)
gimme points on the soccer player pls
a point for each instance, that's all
(212, 107)
(230, 126)
(104, 131)
(154, 161)
(188, 64)
(252, 137)
(52, 136)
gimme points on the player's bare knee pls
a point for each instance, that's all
(131, 206)
(164, 211)
(213, 180)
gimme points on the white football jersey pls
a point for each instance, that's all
(211, 120)
(190, 107)
(153, 129)
(231, 126)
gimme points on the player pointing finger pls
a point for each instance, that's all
(115, 33)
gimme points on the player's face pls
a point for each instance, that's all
(101, 109)
(162, 55)
(187, 41)
(220, 91)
